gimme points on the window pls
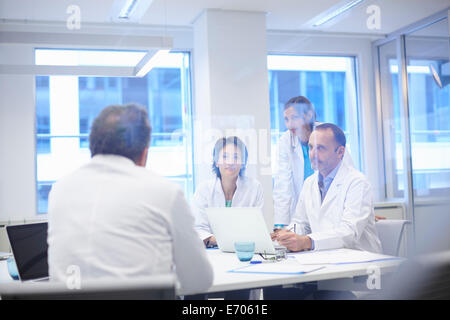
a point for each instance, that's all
(430, 126)
(67, 105)
(429, 109)
(328, 82)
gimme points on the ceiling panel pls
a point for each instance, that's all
(281, 14)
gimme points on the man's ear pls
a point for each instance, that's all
(309, 116)
(142, 161)
(341, 151)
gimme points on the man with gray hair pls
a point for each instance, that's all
(112, 218)
(335, 209)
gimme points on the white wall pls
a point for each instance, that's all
(17, 138)
(232, 91)
(432, 223)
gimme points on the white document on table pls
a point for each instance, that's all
(288, 266)
(339, 256)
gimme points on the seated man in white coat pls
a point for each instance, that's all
(112, 218)
(335, 208)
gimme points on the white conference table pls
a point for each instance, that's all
(224, 280)
(332, 276)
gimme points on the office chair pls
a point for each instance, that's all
(390, 233)
(161, 287)
(425, 277)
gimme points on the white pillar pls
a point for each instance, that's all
(17, 138)
(231, 92)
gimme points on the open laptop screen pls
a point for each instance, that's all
(237, 224)
(29, 246)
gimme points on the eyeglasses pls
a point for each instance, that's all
(281, 255)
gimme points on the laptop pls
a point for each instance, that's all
(29, 247)
(230, 225)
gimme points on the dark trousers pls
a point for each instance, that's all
(307, 291)
(227, 295)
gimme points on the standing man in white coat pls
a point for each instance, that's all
(294, 165)
(114, 219)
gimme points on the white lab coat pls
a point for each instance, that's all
(288, 182)
(113, 219)
(345, 219)
(249, 193)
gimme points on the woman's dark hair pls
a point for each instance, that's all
(220, 144)
(302, 105)
(121, 130)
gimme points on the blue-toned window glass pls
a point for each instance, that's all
(328, 82)
(428, 67)
(430, 128)
(42, 114)
(429, 113)
(66, 107)
(43, 135)
(429, 125)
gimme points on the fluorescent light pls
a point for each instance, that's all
(337, 12)
(150, 60)
(129, 6)
(130, 11)
(70, 57)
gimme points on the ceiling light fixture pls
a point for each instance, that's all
(130, 11)
(151, 59)
(127, 9)
(337, 12)
(442, 75)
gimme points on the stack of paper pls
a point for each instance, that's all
(339, 256)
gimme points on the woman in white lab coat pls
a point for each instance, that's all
(294, 165)
(230, 187)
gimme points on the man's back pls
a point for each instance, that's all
(111, 218)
